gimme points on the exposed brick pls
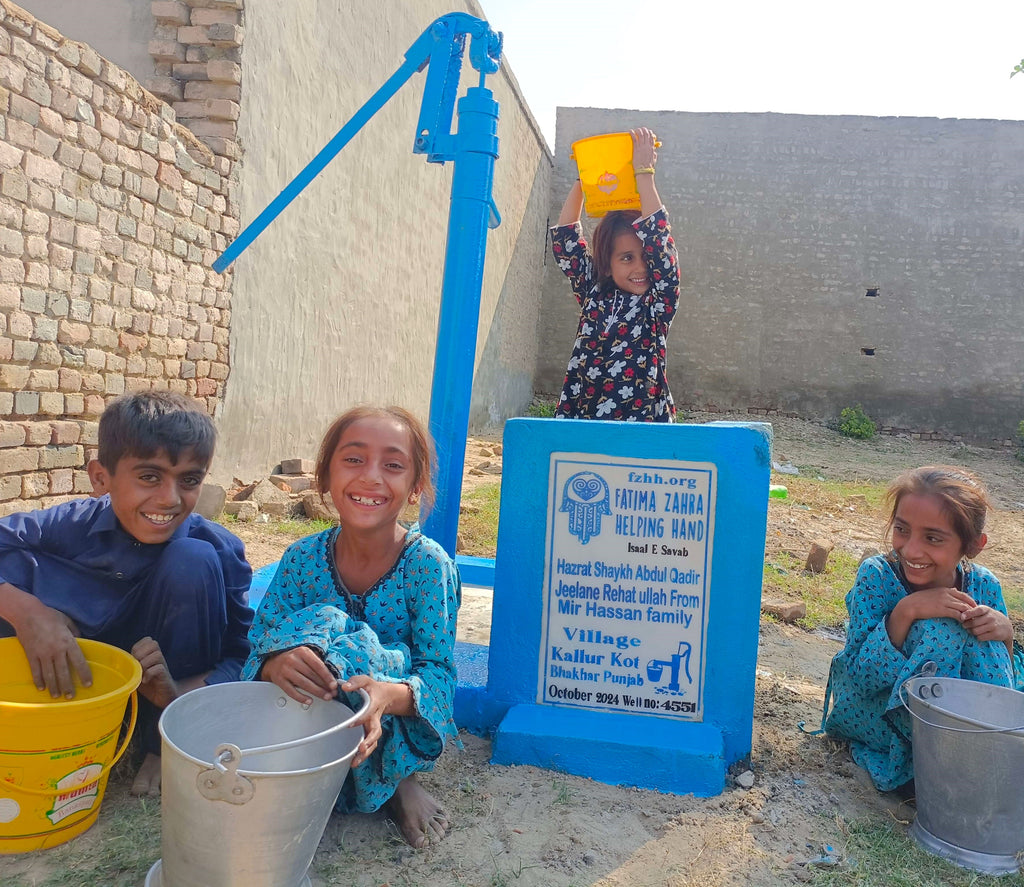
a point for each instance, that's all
(202, 90)
(10, 487)
(217, 109)
(192, 35)
(12, 434)
(38, 433)
(34, 485)
(170, 12)
(18, 459)
(226, 34)
(61, 457)
(51, 403)
(62, 480)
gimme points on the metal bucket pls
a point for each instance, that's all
(968, 740)
(249, 778)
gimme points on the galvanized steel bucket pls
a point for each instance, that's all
(968, 740)
(249, 778)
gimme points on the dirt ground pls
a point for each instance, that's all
(540, 828)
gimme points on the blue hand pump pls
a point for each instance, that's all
(473, 150)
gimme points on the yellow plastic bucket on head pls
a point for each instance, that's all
(56, 754)
(605, 163)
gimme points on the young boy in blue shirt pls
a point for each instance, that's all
(132, 567)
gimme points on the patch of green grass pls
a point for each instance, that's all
(292, 527)
(542, 408)
(877, 855)
(478, 521)
(824, 593)
(130, 846)
(563, 794)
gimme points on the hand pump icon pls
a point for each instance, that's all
(680, 660)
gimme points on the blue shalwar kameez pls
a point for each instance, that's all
(189, 594)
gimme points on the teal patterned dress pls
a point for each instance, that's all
(401, 630)
(866, 675)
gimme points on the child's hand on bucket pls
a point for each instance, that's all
(301, 673)
(386, 698)
(48, 638)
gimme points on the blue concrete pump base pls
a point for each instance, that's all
(614, 748)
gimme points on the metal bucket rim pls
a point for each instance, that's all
(985, 728)
(265, 774)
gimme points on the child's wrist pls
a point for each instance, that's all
(643, 170)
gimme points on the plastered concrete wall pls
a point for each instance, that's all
(337, 302)
(118, 30)
(784, 223)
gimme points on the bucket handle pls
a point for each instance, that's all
(226, 753)
(223, 782)
(938, 687)
(56, 792)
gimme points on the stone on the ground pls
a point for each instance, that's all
(277, 509)
(490, 469)
(484, 451)
(785, 611)
(297, 466)
(316, 509)
(817, 557)
(244, 510)
(870, 551)
(297, 483)
(281, 483)
(265, 492)
(211, 501)
(745, 779)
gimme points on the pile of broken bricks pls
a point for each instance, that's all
(290, 492)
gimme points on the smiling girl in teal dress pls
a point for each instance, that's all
(371, 605)
(925, 601)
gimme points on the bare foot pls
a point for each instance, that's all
(147, 780)
(157, 684)
(417, 814)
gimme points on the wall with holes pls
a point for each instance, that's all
(831, 261)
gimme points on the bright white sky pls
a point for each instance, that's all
(907, 58)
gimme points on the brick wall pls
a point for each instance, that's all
(110, 215)
(196, 50)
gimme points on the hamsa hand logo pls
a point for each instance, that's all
(585, 498)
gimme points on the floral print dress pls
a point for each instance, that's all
(401, 630)
(617, 369)
(866, 675)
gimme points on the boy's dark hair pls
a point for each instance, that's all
(619, 221)
(144, 423)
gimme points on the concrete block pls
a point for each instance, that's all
(614, 748)
(786, 611)
(212, 499)
(297, 466)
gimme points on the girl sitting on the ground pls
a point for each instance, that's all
(925, 601)
(371, 605)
